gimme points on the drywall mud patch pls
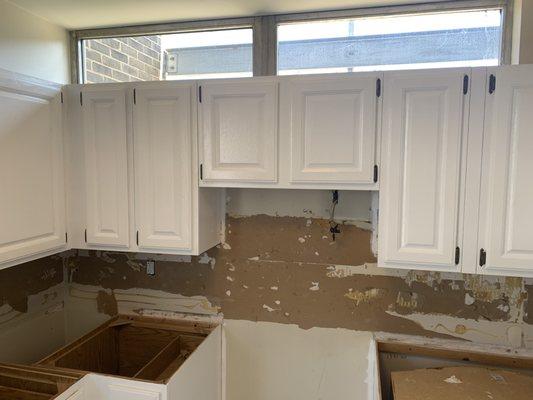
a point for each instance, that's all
(19, 282)
(289, 270)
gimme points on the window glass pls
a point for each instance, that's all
(190, 55)
(446, 39)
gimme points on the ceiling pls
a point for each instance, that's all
(80, 14)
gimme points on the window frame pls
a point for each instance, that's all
(265, 29)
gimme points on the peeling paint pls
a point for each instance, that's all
(364, 297)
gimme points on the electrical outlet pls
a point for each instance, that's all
(150, 267)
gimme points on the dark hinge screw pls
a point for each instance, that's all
(466, 80)
(376, 171)
(457, 255)
(482, 257)
(378, 88)
(492, 84)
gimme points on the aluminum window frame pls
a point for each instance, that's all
(265, 44)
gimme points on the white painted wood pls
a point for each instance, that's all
(333, 123)
(76, 392)
(200, 377)
(238, 130)
(423, 117)
(507, 190)
(106, 166)
(102, 387)
(162, 124)
(32, 206)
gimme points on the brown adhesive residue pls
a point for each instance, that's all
(279, 269)
(106, 303)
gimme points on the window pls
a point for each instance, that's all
(190, 55)
(430, 40)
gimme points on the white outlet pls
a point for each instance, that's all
(150, 267)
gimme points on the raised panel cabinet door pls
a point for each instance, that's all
(423, 122)
(162, 130)
(506, 218)
(32, 194)
(106, 167)
(239, 128)
(333, 128)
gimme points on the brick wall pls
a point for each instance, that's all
(123, 59)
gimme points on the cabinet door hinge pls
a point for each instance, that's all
(376, 172)
(201, 171)
(85, 235)
(61, 97)
(492, 84)
(200, 93)
(482, 257)
(457, 255)
(66, 237)
(466, 81)
(137, 238)
(81, 98)
(134, 96)
(378, 87)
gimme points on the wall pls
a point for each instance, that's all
(287, 269)
(31, 307)
(123, 59)
(526, 32)
(32, 46)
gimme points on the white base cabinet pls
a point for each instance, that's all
(32, 193)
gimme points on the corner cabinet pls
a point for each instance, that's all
(506, 212)
(32, 206)
(133, 170)
(239, 130)
(424, 116)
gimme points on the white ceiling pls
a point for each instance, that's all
(80, 14)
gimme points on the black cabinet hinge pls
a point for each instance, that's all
(134, 96)
(466, 81)
(85, 235)
(457, 255)
(492, 84)
(482, 257)
(61, 97)
(137, 238)
(378, 87)
(376, 172)
(81, 98)
(200, 94)
(201, 171)
(66, 237)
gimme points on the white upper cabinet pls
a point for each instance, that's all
(238, 130)
(106, 169)
(333, 123)
(423, 118)
(163, 131)
(506, 217)
(32, 205)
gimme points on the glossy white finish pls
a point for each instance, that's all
(106, 167)
(507, 186)
(32, 205)
(162, 128)
(421, 168)
(103, 387)
(333, 123)
(238, 130)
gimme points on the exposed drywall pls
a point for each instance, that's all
(32, 46)
(288, 270)
(31, 307)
